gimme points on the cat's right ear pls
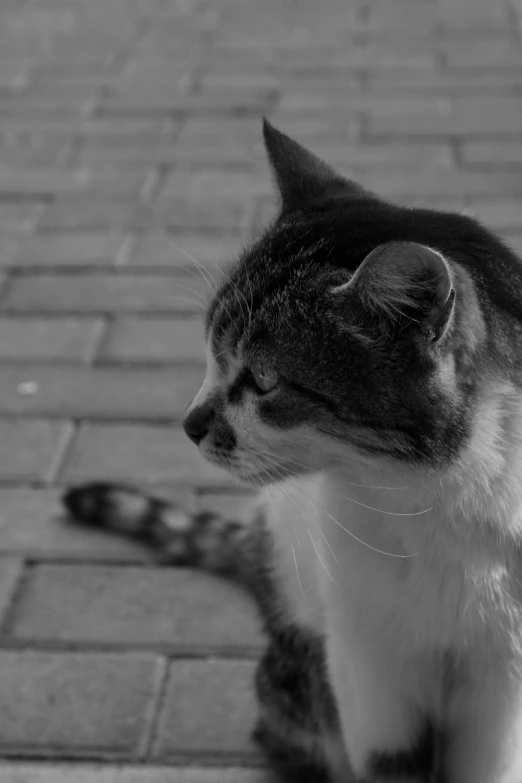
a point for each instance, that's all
(403, 284)
(302, 178)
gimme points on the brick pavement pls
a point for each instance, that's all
(129, 142)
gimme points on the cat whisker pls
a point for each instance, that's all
(366, 544)
(390, 513)
(349, 532)
(205, 274)
(321, 560)
(289, 461)
(298, 577)
(185, 299)
(193, 291)
(327, 542)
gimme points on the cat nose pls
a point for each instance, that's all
(197, 421)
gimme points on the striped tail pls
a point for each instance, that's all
(207, 540)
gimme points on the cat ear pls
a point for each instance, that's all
(404, 281)
(302, 178)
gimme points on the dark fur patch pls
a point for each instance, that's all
(416, 763)
(296, 703)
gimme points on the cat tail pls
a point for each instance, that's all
(208, 540)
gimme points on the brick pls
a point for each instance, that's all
(506, 152)
(472, 116)
(483, 54)
(11, 569)
(471, 15)
(440, 183)
(457, 83)
(60, 181)
(94, 773)
(361, 57)
(46, 153)
(155, 455)
(148, 99)
(118, 130)
(93, 214)
(34, 447)
(25, 107)
(189, 153)
(181, 212)
(74, 703)
(19, 218)
(82, 392)
(32, 524)
(53, 339)
(401, 156)
(101, 213)
(402, 18)
(100, 293)
(338, 99)
(155, 340)
(161, 249)
(209, 708)
(142, 155)
(74, 248)
(186, 611)
(196, 186)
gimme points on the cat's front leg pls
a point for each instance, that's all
(387, 738)
(485, 726)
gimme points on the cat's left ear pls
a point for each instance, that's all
(404, 282)
(302, 178)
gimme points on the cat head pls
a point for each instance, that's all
(352, 329)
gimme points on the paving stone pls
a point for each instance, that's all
(473, 116)
(456, 84)
(95, 214)
(81, 392)
(56, 339)
(209, 707)
(94, 293)
(186, 251)
(22, 181)
(493, 152)
(64, 249)
(94, 773)
(207, 213)
(74, 703)
(444, 183)
(118, 130)
(155, 455)
(483, 54)
(199, 185)
(20, 218)
(184, 610)
(11, 569)
(155, 340)
(356, 157)
(34, 448)
(32, 524)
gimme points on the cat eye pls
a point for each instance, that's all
(265, 380)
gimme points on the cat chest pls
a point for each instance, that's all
(407, 580)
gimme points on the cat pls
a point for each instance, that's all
(364, 369)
